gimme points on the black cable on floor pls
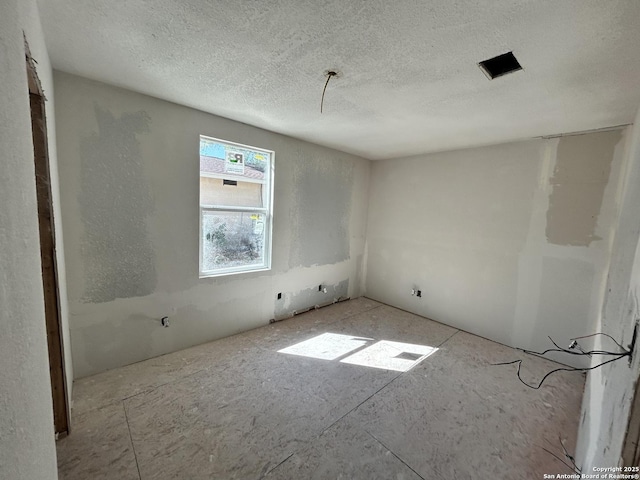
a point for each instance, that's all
(574, 344)
(565, 369)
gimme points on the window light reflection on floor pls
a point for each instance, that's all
(327, 346)
(383, 354)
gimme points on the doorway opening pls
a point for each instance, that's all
(48, 249)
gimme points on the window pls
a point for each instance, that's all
(236, 183)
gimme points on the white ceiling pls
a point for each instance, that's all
(410, 80)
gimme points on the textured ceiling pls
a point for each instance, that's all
(410, 81)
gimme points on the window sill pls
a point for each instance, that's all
(227, 273)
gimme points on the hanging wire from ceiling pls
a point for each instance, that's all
(329, 74)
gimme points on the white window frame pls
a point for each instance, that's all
(267, 212)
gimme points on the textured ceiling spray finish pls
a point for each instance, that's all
(413, 84)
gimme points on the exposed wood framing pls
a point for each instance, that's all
(47, 249)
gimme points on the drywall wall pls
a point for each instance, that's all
(129, 172)
(496, 238)
(27, 448)
(609, 391)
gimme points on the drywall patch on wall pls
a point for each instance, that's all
(321, 212)
(564, 304)
(298, 302)
(529, 262)
(581, 175)
(197, 315)
(115, 202)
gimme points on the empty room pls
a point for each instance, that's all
(319, 240)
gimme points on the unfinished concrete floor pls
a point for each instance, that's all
(238, 409)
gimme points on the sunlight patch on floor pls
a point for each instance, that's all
(384, 354)
(327, 346)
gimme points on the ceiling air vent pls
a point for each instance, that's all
(500, 65)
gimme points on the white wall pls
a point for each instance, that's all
(129, 173)
(609, 391)
(27, 449)
(510, 242)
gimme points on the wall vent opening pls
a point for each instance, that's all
(501, 65)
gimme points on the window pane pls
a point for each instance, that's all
(232, 239)
(237, 181)
(231, 161)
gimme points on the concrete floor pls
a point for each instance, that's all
(238, 409)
